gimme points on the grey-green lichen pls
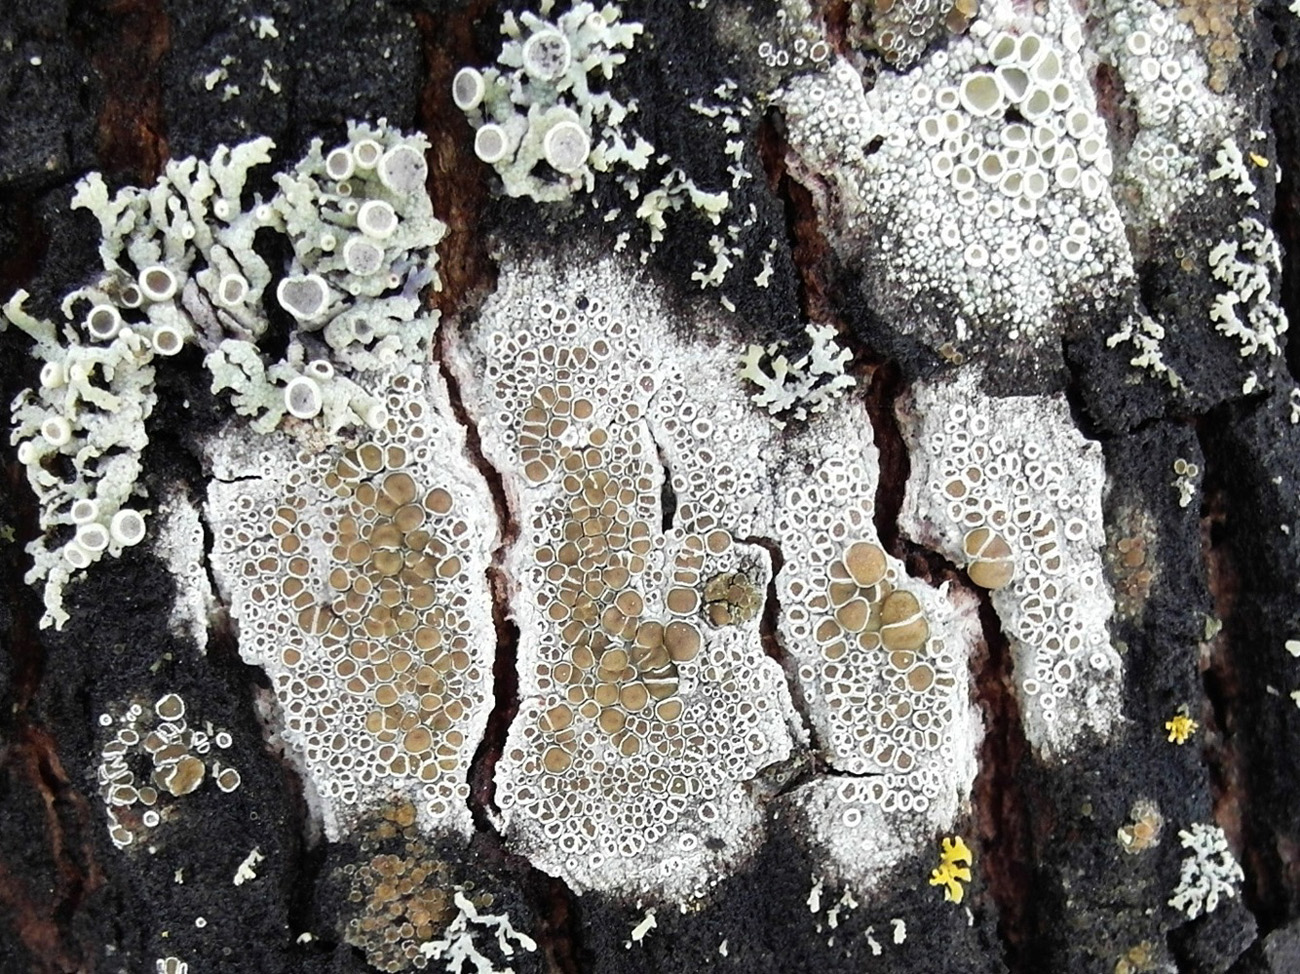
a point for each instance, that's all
(537, 120)
(180, 269)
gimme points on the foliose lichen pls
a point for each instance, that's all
(807, 385)
(540, 120)
(180, 269)
(1208, 874)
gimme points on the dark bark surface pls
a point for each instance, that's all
(120, 86)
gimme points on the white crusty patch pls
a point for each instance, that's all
(180, 544)
(627, 765)
(641, 404)
(381, 656)
(1019, 466)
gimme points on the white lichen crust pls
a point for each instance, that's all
(648, 706)
(979, 181)
(356, 571)
(179, 542)
(1011, 489)
(639, 724)
(879, 661)
(882, 660)
(1178, 117)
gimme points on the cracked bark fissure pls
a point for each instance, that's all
(43, 914)
(458, 187)
(1223, 690)
(126, 41)
(1001, 811)
(43, 906)
(25, 647)
(505, 676)
(457, 181)
(1002, 814)
(809, 250)
(770, 636)
(553, 901)
(1271, 870)
(813, 758)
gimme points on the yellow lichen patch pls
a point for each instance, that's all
(1138, 959)
(1181, 727)
(1143, 829)
(953, 869)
